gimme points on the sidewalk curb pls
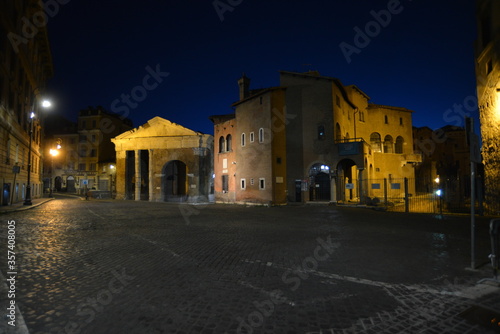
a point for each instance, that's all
(27, 207)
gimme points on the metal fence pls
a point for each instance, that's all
(412, 195)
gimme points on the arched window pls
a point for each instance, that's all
(376, 142)
(388, 144)
(229, 144)
(221, 144)
(338, 135)
(261, 135)
(399, 145)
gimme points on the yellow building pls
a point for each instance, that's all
(164, 161)
(488, 93)
(87, 157)
(311, 139)
(25, 66)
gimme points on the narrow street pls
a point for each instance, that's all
(105, 266)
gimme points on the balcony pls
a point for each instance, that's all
(354, 146)
(413, 158)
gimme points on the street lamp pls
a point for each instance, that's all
(53, 153)
(439, 193)
(112, 171)
(27, 200)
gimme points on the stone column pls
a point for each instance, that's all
(333, 189)
(151, 177)
(137, 175)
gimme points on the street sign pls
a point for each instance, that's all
(349, 186)
(16, 169)
(85, 182)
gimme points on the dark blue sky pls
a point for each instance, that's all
(423, 59)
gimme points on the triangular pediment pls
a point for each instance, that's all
(158, 127)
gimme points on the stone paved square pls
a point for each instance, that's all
(105, 266)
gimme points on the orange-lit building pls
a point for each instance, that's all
(310, 139)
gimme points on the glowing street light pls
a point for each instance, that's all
(54, 153)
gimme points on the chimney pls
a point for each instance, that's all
(244, 84)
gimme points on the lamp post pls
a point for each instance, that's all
(439, 193)
(53, 153)
(27, 200)
(112, 170)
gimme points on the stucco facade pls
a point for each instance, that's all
(488, 93)
(25, 68)
(321, 141)
(164, 161)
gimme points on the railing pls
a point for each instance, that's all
(409, 195)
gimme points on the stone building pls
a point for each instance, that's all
(446, 158)
(164, 161)
(310, 139)
(87, 158)
(25, 66)
(488, 93)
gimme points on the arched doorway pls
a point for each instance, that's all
(174, 181)
(319, 176)
(345, 180)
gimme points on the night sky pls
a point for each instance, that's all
(420, 56)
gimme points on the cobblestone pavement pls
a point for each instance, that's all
(139, 267)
